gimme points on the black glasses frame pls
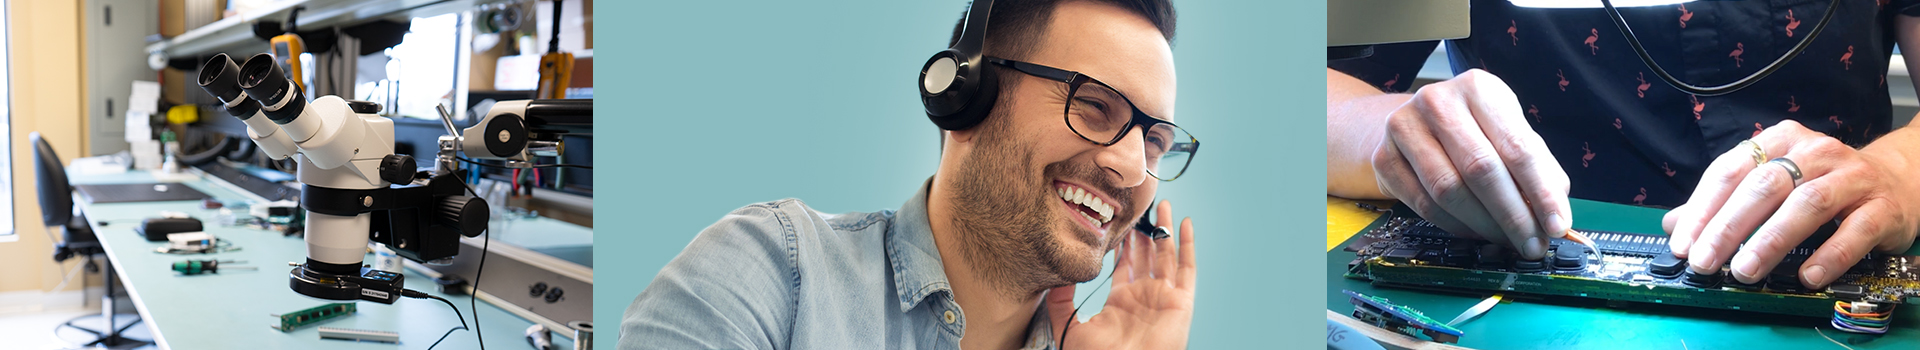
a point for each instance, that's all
(1140, 118)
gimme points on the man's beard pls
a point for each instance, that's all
(1005, 224)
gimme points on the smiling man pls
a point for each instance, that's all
(1073, 135)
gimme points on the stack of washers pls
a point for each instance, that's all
(1862, 317)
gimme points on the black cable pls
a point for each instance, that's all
(472, 304)
(485, 240)
(456, 313)
(1621, 23)
(463, 182)
(588, 167)
(1071, 318)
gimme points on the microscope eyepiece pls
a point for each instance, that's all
(220, 77)
(263, 80)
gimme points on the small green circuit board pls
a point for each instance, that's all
(295, 320)
(1405, 320)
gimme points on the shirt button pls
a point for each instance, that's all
(949, 316)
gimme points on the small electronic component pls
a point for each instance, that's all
(1700, 280)
(1570, 258)
(1405, 320)
(1524, 265)
(1666, 266)
(359, 335)
(294, 320)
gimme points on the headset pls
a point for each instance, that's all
(957, 86)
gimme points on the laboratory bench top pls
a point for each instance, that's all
(230, 309)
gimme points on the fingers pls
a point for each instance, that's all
(1539, 177)
(1139, 259)
(1762, 190)
(1714, 188)
(1441, 182)
(1184, 279)
(1756, 198)
(1397, 179)
(1123, 262)
(1826, 192)
(1483, 177)
(1806, 208)
(1858, 234)
(1165, 259)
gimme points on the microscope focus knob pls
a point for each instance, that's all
(467, 214)
(397, 169)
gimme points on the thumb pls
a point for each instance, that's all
(1060, 308)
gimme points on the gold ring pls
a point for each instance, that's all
(1759, 155)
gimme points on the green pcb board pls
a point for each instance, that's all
(294, 320)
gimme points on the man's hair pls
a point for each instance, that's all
(1015, 26)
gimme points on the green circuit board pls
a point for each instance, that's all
(1407, 251)
(294, 320)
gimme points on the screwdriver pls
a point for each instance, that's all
(195, 267)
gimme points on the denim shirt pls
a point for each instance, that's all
(780, 275)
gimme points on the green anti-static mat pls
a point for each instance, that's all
(1523, 322)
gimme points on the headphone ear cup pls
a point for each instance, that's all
(985, 94)
(967, 98)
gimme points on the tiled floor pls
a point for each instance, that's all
(36, 330)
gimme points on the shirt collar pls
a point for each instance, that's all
(917, 270)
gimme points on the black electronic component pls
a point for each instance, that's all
(157, 229)
(1433, 255)
(1701, 280)
(1847, 291)
(1756, 285)
(1463, 257)
(1524, 265)
(1570, 257)
(1492, 255)
(1403, 253)
(1666, 266)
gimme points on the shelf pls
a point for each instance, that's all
(233, 32)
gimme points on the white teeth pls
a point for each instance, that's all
(1080, 196)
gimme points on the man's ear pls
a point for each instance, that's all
(964, 136)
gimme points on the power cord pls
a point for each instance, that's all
(456, 312)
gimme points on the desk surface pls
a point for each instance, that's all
(1568, 323)
(230, 310)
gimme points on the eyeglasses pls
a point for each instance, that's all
(1100, 114)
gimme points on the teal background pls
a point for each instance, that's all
(731, 103)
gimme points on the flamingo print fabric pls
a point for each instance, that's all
(1625, 136)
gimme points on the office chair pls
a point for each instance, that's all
(78, 239)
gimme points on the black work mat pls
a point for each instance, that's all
(143, 192)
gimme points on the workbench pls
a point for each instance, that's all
(230, 310)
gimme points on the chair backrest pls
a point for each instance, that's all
(56, 195)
